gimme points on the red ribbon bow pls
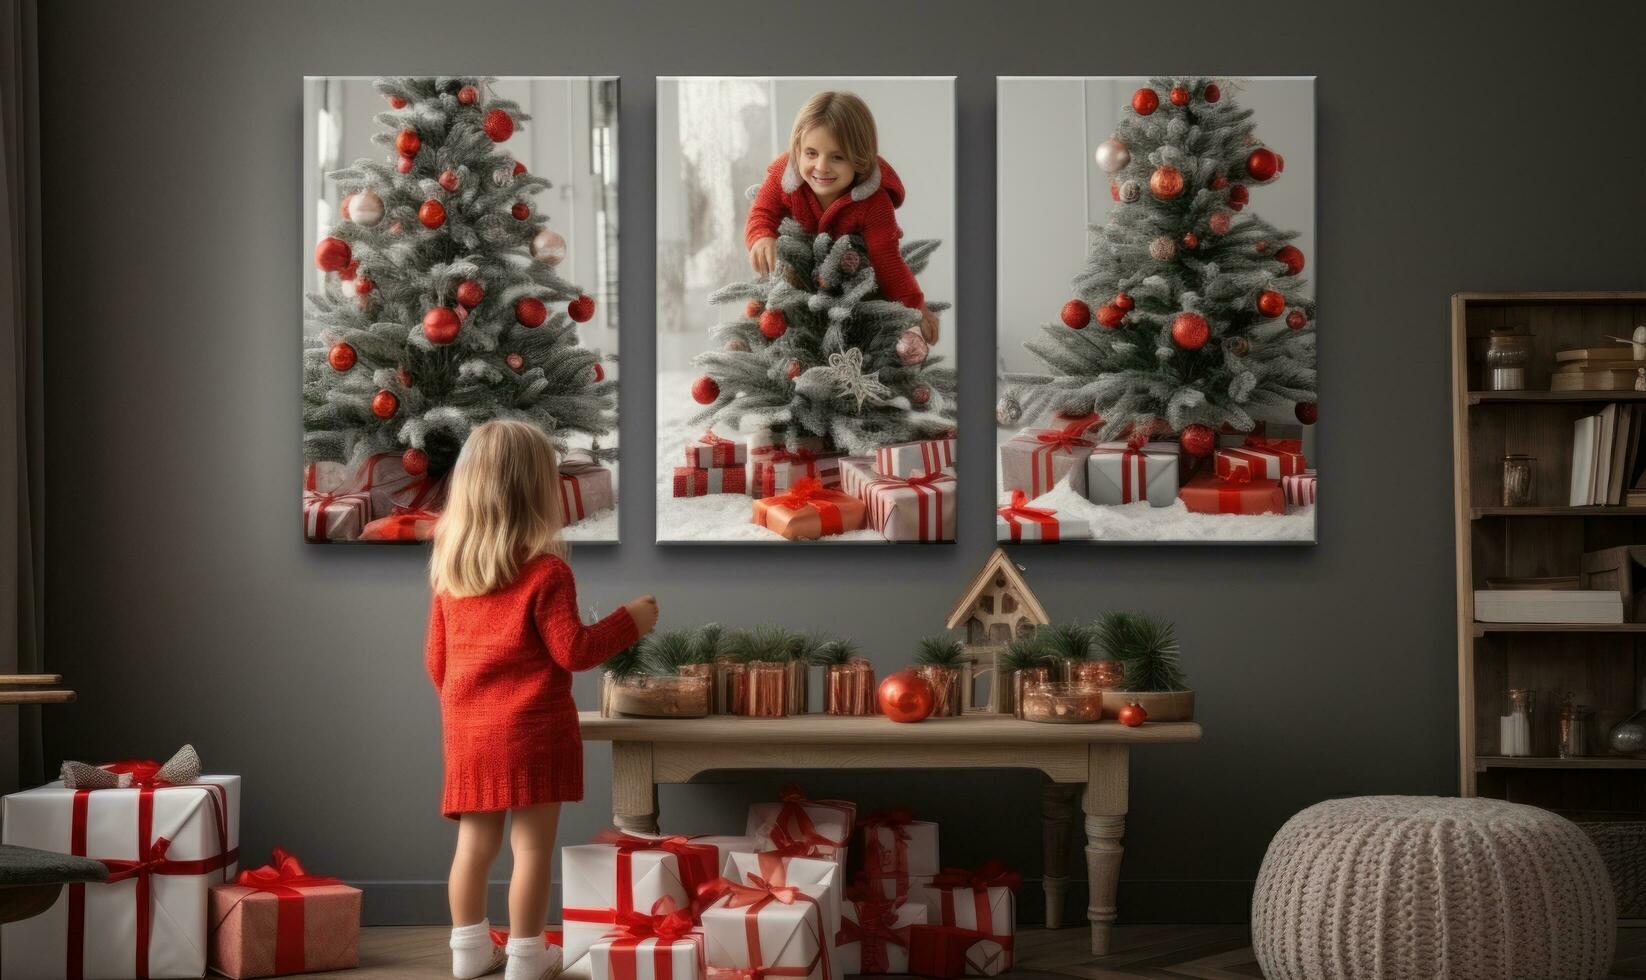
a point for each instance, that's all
(897, 818)
(1019, 511)
(875, 928)
(283, 869)
(991, 874)
(1273, 445)
(121, 869)
(806, 490)
(1062, 439)
(668, 922)
(145, 773)
(696, 862)
(793, 812)
(786, 845)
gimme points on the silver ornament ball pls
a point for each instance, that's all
(1130, 191)
(366, 209)
(1112, 155)
(548, 247)
(1008, 411)
(912, 348)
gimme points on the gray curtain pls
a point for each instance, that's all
(22, 498)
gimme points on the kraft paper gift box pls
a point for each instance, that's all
(604, 881)
(278, 920)
(661, 945)
(874, 934)
(825, 873)
(824, 822)
(778, 930)
(898, 851)
(1036, 460)
(1204, 493)
(585, 488)
(335, 508)
(948, 951)
(1259, 458)
(1299, 488)
(1018, 521)
(1116, 473)
(917, 508)
(915, 458)
(165, 846)
(809, 511)
(710, 450)
(699, 481)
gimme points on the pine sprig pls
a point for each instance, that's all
(666, 652)
(1146, 646)
(764, 643)
(624, 663)
(940, 650)
(834, 651)
(1065, 641)
(1024, 653)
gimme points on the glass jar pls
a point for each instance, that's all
(673, 696)
(705, 671)
(1100, 675)
(1514, 736)
(945, 682)
(1507, 353)
(1062, 703)
(1572, 735)
(1023, 679)
(1519, 480)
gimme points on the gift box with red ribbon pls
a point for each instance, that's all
(700, 481)
(1018, 521)
(915, 458)
(790, 864)
(413, 516)
(621, 874)
(1204, 493)
(761, 928)
(340, 501)
(915, 508)
(1259, 458)
(809, 511)
(166, 835)
(898, 851)
(826, 824)
(279, 919)
(1118, 473)
(780, 469)
(585, 486)
(983, 901)
(709, 450)
(1299, 488)
(723, 844)
(660, 944)
(949, 951)
(874, 932)
(1036, 460)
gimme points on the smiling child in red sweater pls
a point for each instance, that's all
(833, 181)
(504, 637)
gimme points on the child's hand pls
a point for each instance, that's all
(928, 325)
(763, 255)
(644, 612)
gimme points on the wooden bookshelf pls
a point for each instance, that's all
(1602, 665)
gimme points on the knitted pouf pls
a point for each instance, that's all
(1396, 887)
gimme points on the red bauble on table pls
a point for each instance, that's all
(414, 461)
(341, 357)
(332, 254)
(792, 371)
(1132, 715)
(1271, 303)
(408, 143)
(1212, 93)
(440, 325)
(468, 95)
(1262, 164)
(1307, 412)
(384, 404)
(773, 324)
(1166, 182)
(906, 697)
(521, 210)
(1238, 196)
(470, 293)
(432, 214)
(397, 102)
(581, 309)
(1292, 257)
(1076, 314)
(1179, 96)
(1190, 331)
(753, 308)
(530, 311)
(1110, 315)
(1297, 319)
(449, 180)
(1197, 440)
(1145, 101)
(1123, 302)
(499, 126)
(705, 390)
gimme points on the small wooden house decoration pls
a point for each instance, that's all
(995, 609)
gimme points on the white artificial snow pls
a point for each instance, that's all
(1176, 524)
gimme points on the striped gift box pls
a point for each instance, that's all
(908, 459)
(1299, 489)
(699, 481)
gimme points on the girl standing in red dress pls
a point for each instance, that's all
(504, 637)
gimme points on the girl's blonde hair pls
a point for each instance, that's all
(848, 118)
(502, 509)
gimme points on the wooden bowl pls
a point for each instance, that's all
(1161, 705)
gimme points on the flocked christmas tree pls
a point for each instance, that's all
(1202, 321)
(435, 313)
(818, 352)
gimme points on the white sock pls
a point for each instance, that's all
(530, 959)
(473, 954)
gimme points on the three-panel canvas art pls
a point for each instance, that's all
(1153, 337)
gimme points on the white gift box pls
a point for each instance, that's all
(830, 820)
(723, 844)
(589, 892)
(908, 459)
(784, 935)
(648, 959)
(849, 951)
(993, 912)
(201, 823)
(1020, 520)
(744, 868)
(897, 855)
(1118, 474)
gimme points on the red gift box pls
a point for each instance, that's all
(1260, 458)
(279, 919)
(950, 951)
(1204, 493)
(698, 481)
(710, 450)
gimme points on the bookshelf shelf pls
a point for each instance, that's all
(1477, 513)
(1481, 629)
(1553, 397)
(1554, 762)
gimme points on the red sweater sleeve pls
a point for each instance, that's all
(434, 646)
(573, 645)
(881, 235)
(767, 211)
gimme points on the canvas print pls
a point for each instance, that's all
(1156, 319)
(805, 320)
(462, 267)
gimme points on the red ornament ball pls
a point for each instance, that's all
(581, 309)
(1270, 303)
(1132, 715)
(408, 143)
(384, 404)
(1076, 314)
(1191, 240)
(519, 168)
(432, 214)
(1260, 246)
(753, 308)
(1179, 96)
(397, 102)
(341, 357)
(1280, 164)
(1114, 189)
(449, 180)
(599, 372)
(521, 211)
(1297, 320)
(773, 324)
(1262, 165)
(1166, 182)
(1292, 256)
(1123, 302)
(920, 394)
(906, 697)
(332, 254)
(343, 208)
(514, 361)
(1190, 331)
(1218, 182)
(468, 95)
(405, 165)
(530, 311)
(414, 461)
(404, 376)
(705, 390)
(1220, 222)
(363, 285)
(1198, 440)
(1238, 196)
(1110, 315)
(793, 370)
(440, 325)
(470, 293)
(1212, 93)
(1307, 412)
(499, 125)
(1145, 101)
(912, 348)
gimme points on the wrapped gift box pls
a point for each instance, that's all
(854, 472)
(414, 519)
(1116, 473)
(918, 508)
(661, 945)
(907, 459)
(1036, 460)
(777, 868)
(809, 511)
(165, 846)
(699, 481)
(828, 823)
(1017, 521)
(723, 845)
(335, 507)
(585, 488)
(709, 450)
(1204, 493)
(777, 929)
(948, 951)
(897, 851)
(623, 875)
(278, 919)
(1299, 489)
(1259, 458)
(874, 934)
(780, 470)
(980, 901)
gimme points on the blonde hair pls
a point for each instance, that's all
(502, 509)
(848, 118)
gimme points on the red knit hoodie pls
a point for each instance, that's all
(867, 210)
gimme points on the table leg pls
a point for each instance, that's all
(634, 791)
(1057, 810)
(1107, 782)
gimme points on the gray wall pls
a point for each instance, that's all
(1461, 147)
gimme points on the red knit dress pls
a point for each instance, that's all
(502, 665)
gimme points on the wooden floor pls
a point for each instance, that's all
(1203, 952)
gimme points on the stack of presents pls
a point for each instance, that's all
(905, 491)
(379, 500)
(1253, 473)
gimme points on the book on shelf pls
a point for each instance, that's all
(1596, 369)
(1579, 606)
(1539, 582)
(1586, 355)
(1596, 379)
(1606, 457)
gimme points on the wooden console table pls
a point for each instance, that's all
(647, 752)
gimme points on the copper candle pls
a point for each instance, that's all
(945, 682)
(1022, 679)
(864, 693)
(839, 689)
(1062, 703)
(798, 683)
(1099, 675)
(731, 685)
(765, 689)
